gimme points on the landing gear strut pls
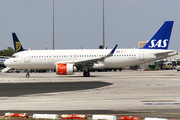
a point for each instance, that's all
(86, 74)
(27, 75)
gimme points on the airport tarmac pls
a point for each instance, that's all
(135, 93)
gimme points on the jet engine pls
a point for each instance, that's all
(65, 69)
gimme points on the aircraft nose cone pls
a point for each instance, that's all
(6, 63)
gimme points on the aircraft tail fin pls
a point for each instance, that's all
(17, 45)
(161, 38)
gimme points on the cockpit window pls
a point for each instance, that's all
(14, 56)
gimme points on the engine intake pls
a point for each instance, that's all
(65, 69)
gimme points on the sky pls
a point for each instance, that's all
(79, 23)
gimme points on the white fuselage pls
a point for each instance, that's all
(47, 59)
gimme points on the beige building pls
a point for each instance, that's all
(142, 43)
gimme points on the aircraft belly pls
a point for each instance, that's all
(121, 62)
(43, 66)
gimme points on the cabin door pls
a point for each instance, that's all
(26, 57)
(141, 55)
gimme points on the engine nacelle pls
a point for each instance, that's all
(65, 69)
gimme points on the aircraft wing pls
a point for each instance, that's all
(92, 61)
(95, 60)
(167, 52)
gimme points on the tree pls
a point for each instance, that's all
(10, 51)
(101, 47)
(7, 52)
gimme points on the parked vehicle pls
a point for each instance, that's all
(167, 66)
(160, 63)
(174, 63)
(178, 65)
(12, 70)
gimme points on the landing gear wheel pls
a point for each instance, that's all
(86, 74)
(27, 75)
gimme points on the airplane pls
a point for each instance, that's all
(66, 62)
(17, 48)
(2, 62)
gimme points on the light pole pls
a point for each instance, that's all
(179, 42)
(103, 27)
(53, 24)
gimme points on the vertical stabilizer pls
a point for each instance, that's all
(17, 45)
(161, 38)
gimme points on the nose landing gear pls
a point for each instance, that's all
(27, 75)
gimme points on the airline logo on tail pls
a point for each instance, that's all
(155, 43)
(18, 46)
(161, 38)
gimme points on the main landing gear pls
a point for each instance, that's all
(27, 75)
(86, 74)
